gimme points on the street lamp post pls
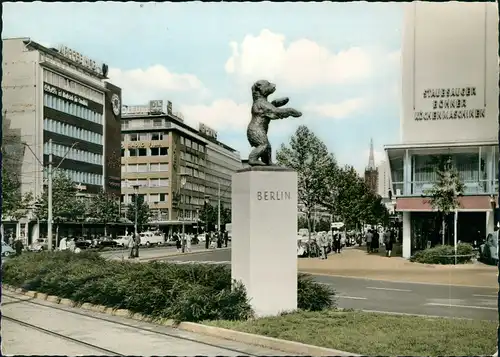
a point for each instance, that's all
(205, 206)
(136, 195)
(218, 208)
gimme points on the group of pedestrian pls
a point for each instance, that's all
(134, 241)
(182, 242)
(68, 244)
(333, 242)
(373, 240)
(216, 239)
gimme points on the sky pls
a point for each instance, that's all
(339, 63)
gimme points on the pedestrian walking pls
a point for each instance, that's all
(188, 243)
(369, 238)
(343, 240)
(219, 239)
(63, 244)
(226, 238)
(323, 243)
(18, 246)
(207, 240)
(131, 246)
(375, 241)
(178, 243)
(183, 240)
(389, 242)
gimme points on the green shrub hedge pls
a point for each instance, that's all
(444, 254)
(183, 292)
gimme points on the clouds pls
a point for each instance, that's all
(221, 114)
(299, 64)
(141, 85)
(339, 110)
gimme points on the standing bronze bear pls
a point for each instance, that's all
(263, 112)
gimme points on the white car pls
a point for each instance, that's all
(151, 238)
(201, 237)
(7, 250)
(121, 241)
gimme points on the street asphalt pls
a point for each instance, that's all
(392, 297)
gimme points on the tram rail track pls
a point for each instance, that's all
(112, 321)
(61, 336)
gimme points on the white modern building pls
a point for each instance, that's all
(56, 101)
(449, 109)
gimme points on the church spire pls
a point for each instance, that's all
(371, 158)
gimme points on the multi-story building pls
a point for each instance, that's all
(449, 110)
(371, 172)
(58, 102)
(175, 167)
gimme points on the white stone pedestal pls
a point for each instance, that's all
(264, 237)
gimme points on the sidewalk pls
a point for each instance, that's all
(357, 263)
(117, 334)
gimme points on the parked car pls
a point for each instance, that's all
(488, 252)
(7, 250)
(152, 238)
(82, 243)
(106, 242)
(121, 241)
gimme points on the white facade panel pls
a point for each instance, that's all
(450, 72)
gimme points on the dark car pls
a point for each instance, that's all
(107, 242)
(82, 243)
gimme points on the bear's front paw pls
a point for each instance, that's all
(295, 113)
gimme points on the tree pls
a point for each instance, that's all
(66, 205)
(104, 209)
(350, 199)
(309, 157)
(446, 190)
(346, 196)
(143, 211)
(210, 212)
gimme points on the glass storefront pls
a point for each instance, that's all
(477, 168)
(426, 228)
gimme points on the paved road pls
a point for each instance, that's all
(409, 298)
(149, 253)
(42, 328)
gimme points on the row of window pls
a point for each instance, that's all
(72, 153)
(71, 108)
(55, 126)
(157, 123)
(145, 136)
(151, 198)
(80, 177)
(192, 172)
(162, 151)
(156, 182)
(191, 144)
(192, 158)
(154, 167)
(72, 86)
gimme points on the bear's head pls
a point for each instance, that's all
(262, 88)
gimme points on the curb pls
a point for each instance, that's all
(291, 347)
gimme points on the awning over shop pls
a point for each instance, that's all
(422, 204)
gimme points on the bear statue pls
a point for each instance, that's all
(263, 112)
